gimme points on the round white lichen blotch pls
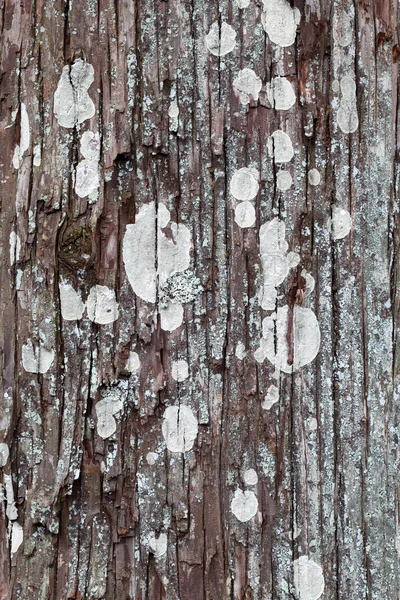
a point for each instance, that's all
(280, 147)
(24, 138)
(308, 579)
(173, 111)
(293, 259)
(133, 365)
(248, 85)
(221, 41)
(306, 338)
(240, 351)
(72, 306)
(159, 545)
(179, 428)
(245, 215)
(280, 93)
(314, 177)
(284, 180)
(271, 398)
(250, 477)
(171, 316)
(17, 536)
(36, 360)
(72, 103)
(244, 505)
(180, 370)
(101, 305)
(109, 405)
(15, 248)
(151, 458)
(347, 116)
(90, 146)
(87, 178)
(340, 223)
(280, 22)
(4, 454)
(244, 184)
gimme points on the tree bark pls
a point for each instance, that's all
(199, 299)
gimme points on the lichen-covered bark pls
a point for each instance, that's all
(144, 377)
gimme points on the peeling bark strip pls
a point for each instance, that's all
(199, 300)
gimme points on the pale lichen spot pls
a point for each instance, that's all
(171, 316)
(72, 307)
(312, 424)
(243, 3)
(36, 359)
(37, 156)
(101, 305)
(244, 184)
(24, 138)
(250, 477)
(248, 85)
(179, 428)
(308, 579)
(293, 259)
(271, 397)
(15, 248)
(340, 223)
(151, 458)
(343, 29)
(284, 180)
(314, 177)
(347, 116)
(110, 404)
(280, 93)
(280, 147)
(306, 338)
(244, 505)
(240, 351)
(4, 454)
(173, 111)
(180, 370)
(245, 214)
(72, 103)
(173, 251)
(87, 178)
(259, 355)
(17, 536)
(280, 21)
(159, 545)
(90, 146)
(310, 283)
(133, 365)
(335, 85)
(221, 40)
(267, 297)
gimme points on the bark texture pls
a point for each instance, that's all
(94, 505)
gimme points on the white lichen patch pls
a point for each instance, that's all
(173, 251)
(244, 505)
(280, 22)
(179, 428)
(340, 223)
(171, 316)
(87, 178)
(173, 111)
(133, 365)
(280, 93)
(24, 138)
(151, 458)
(72, 103)
(308, 579)
(248, 85)
(305, 333)
(240, 351)
(244, 184)
(347, 116)
(310, 283)
(284, 180)
(15, 248)
(11, 510)
(36, 359)
(280, 147)
(342, 28)
(37, 156)
(4, 454)
(17, 536)
(271, 398)
(110, 404)
(314, 177)
(293, 259)
(245, 214)
(90, 146)
(180, 370)
(221, 40)
(72, 307)
(243, 3)
(158, 545)
(274, 260)
(250, 477)
(102, 305)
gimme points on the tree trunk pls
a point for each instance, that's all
(200, 367)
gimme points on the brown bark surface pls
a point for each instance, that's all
(82, 505)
